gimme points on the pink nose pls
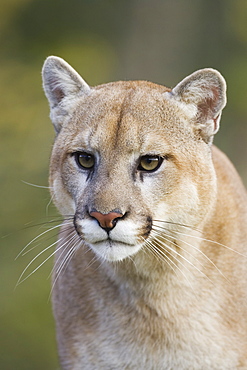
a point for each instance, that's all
(106, 221)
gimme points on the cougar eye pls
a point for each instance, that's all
(85, 160)
(150, 163)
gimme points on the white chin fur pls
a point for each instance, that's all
(112, 251)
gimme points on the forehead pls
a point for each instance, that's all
(130, 116)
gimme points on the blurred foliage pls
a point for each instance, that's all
(158, 40)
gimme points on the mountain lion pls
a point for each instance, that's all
(151, 268)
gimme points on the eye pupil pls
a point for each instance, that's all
(149, 163)
(85, 160)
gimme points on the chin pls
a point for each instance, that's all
(114, 251)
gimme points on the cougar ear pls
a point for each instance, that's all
(62, 86)
(203, 95)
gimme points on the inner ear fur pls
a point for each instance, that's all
(203, 95)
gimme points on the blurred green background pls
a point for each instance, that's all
(158, 40)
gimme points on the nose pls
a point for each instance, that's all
(106, 221)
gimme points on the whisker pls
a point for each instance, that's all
(178, 224)
(154, 252)
(20, 280)
(37, 245)
(30, 249)
(47, 222)
(71, 251)
(68, 257)
(201, 252)
(48, 204)
(64, 264)
(36, 186)
(134, 263)
(161, 234)
(93, 260)
(39, 236)
(165, 258)
(33, 240)
(180, 255)
(68, 246)
(210, 241)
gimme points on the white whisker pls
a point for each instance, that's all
(155, 253)
(178, 224)
(48, 205)
(36, 186)
(30, 249)
(180, 255)
(93, 260)
(67, 245)
(37, 237)
(162, 234)
(20, 280)
(134, 263)
(165, 258)
(69, 255)
(199, 251)
(201, 238)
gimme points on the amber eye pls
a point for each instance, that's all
(85, 160)
(150, 163)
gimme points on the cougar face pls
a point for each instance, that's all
(119, 168)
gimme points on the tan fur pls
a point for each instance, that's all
(166, 289)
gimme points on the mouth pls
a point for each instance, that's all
(112, 242)
(110, 250)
